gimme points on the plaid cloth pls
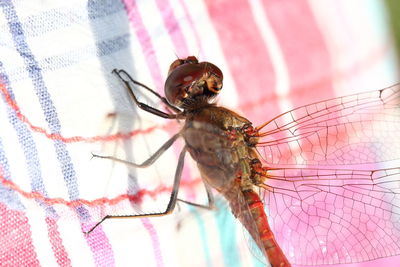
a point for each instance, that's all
(59, 103)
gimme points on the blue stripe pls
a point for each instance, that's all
(379, 28)
(258, 263)
(45, 101)
(37, 25)
(226, 224)
(258, 257)
(102, 48)
(7, 195)
(27, 144)
(203, 235)
(104, 8)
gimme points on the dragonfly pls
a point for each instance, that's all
(319, 184)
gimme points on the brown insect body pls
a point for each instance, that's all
(217, 141)
(226, 146)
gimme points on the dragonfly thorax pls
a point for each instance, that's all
(215, 139)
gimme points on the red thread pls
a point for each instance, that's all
(76, 203)
(55, 136)
(92, 203)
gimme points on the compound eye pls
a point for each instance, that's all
(179, 62)
(174, 65)
(190, 80)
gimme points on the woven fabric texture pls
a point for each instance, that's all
(59, 103)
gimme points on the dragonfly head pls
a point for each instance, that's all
(190, 81)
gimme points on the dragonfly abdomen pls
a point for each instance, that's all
(271, 248)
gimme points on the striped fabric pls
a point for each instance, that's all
(59, 103)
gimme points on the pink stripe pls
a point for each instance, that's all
(304, 50)
(56, 243)
(15, 239)
(181, 48)
(100, 247)
(352, 39)
(191, 192)
(246, 55)
(173, 27)
(178, 40)
(145, 42)
(193, 28)
(154, 240)
(154, 67)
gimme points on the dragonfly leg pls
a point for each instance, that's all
(144, 106)
(210, 197)
(147, 162)
(171, 203)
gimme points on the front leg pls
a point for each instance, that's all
(145, 107)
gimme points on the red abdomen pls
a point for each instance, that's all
(272, 250)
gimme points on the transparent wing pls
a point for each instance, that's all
(241, 211)
(331, 216)
(361, 128)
